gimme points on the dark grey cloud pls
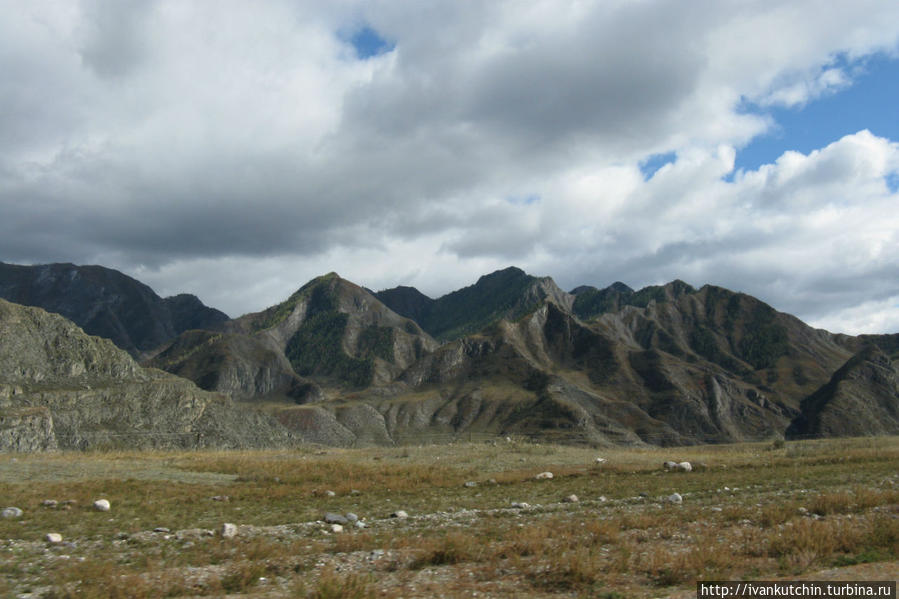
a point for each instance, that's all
(181, 143)
(114, 41)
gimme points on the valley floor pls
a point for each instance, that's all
(479, 520)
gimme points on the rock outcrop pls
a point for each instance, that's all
(667, 364)
(329, 333)
(61, 388)
(512, 354)
(861, 398)
(505, 294)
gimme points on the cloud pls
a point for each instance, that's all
(113, 36)
(808, 233)
(185, 144)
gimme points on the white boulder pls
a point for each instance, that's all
(228, 530)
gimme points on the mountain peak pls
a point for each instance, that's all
(106, 303)
(620, 287)
(503, 274)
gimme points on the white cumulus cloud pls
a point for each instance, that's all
(236, 149)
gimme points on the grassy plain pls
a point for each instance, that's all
(749, 512)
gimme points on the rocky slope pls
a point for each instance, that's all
(861, 398)
(669, 364)
(666, 364)
(107, 303)
(697, 366)
(505, 294)
(330, 331)
(61, 388)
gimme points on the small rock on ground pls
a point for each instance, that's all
(54, 538)
(228, 530)
(102, 505)
(570, 499)
(332, 518)
(544, 476)
(11, 512)
(401, 514)
(675, 498)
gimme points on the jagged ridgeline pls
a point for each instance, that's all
(505, 294)
(514, 354)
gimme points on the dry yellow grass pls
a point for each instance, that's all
(751, 511)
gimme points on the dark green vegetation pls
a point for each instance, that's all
(315, 349)
(315, 296)
(502, 294)
(764, 339)
(749, 512)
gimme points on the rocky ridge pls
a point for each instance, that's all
(861, 398)
(61, 388)
(666, 364)
(107, 303)
(514, 354)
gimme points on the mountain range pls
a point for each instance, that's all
(339, 364)
(107, 303)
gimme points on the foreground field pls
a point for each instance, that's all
(479, 521)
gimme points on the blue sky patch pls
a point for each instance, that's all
(367, 42)
(525, 200)
(871, 102)
(651, 165)
(893, 182)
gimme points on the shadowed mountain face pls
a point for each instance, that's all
(107, 303)
(861, 398)
(514, 354)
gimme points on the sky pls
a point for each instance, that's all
(237, 149)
